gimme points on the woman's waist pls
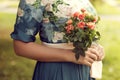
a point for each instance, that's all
(59, 45)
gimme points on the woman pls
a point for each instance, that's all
(52, 63)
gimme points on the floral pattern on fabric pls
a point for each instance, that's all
(45, 17)
(58, 36)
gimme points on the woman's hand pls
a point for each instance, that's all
(90, 57)
(100, 50)
(94, 53)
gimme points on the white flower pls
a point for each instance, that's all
(46, 20)
(67, 10)
(30, 1)
(48, 7)
(58, 36)
(29, 31)
(45, 2)
(64, 11)
(20, 12)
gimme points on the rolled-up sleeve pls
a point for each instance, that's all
(27, 22)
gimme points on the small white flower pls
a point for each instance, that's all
(29, 31)
(46, 20)
(64, 11)
(30, 1)
(45, 2)
(48, 7)
(20, 12)
(58, 36)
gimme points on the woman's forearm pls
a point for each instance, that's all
(42, 53)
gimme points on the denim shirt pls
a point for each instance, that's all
(32, 18)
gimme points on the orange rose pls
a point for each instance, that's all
(76, 14)
(83, 10)
(95, 19)
(69, 28)
(69, 22)
(81, 16)
(91, 25)
(81, 25)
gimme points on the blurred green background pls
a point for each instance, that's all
(13, 67)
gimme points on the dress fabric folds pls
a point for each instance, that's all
(61, 71)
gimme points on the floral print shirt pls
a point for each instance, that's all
(45, 17)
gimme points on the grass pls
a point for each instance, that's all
(6, 20)
(104, 8)
(13, 67)
(6, 24)
(13, 5)
(10, 3)
(110, 40)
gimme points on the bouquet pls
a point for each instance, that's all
(80, 29)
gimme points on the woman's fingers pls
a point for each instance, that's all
(88, 63)
(85, 60)
(101, 52)
(88, 59)
(91, 55)
(94, 51)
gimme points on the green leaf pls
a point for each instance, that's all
(97, 33)
(75, 39)
(78, 52)
(98, 19)
(37, 4)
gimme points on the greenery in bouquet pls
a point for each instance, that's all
(81, 30)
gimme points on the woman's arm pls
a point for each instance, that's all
(46, 54)
(42, 53)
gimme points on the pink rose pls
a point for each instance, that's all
(69, 22)
(91, 25)
(83, 10)
(69, 28)
(81, 25)
(81, 16)
(76, 14)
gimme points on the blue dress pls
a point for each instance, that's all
(45, 17)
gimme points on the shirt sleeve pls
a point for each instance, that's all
(29, 16)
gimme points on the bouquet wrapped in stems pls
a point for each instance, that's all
(80, 29)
